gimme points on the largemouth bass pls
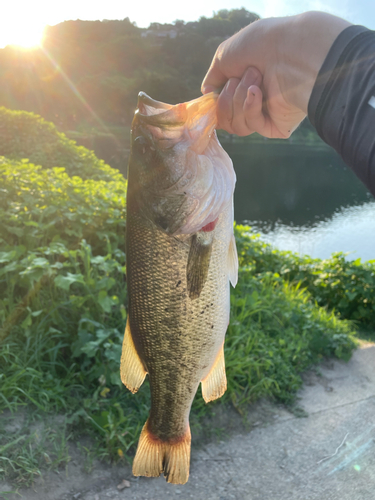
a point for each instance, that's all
(181, 254)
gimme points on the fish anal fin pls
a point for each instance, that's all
(155, 456)
(215, 384)
(132, 371)
(233, 262)
(198, 263)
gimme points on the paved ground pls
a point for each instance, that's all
(282, 459)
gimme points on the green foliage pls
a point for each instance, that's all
(62, 297)
(62, 317)
(336, 283)
(40, 206)
(276, 332)
(25, 135)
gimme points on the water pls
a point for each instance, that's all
(303, 199)
(350, 230)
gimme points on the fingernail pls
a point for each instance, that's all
(251, 77)
(250, 96)
(207, 89)
(251, 74)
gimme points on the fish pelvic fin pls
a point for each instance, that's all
(198, 263)
(233, 262)
(155, 456)
(132, 371)
(215, 384)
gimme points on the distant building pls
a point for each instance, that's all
(162, 33)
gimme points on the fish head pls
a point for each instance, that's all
(178, 171)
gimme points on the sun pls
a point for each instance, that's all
(22, 33)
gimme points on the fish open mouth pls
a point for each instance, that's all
(146, 100)
(196, 117)
(159, 114)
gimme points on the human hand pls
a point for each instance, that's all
(269, 69)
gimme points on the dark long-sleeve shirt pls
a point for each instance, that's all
(342, 103)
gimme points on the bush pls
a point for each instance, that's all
(336, 283)
(26, 135)
(275, 333)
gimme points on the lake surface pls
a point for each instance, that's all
(303, 199)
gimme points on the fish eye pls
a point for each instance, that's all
(141, 144)
(143, 148)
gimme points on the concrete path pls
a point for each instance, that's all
(329, 455)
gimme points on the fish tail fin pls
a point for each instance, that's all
(155, 456)
(177, 459)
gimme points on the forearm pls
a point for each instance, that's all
(341, 106)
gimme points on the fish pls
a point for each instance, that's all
(180, 257)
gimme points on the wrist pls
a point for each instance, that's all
(303, 52)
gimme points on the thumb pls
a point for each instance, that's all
(214, 79)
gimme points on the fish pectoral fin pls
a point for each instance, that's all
(155, 456)
(233, 262)
(198, 263)
(132, 370)
(215, 384)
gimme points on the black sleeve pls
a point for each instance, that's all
(342, 103)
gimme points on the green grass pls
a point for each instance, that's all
(32, 445)
(276, 332)
(63, 313)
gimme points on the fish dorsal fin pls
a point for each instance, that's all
(132, 370)
(232, 262)
(198, 263)
(215, 384)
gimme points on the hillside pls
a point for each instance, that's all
(88, 73)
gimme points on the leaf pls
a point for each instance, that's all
(104, 392)
(64, 282)
(18, 231)
(40, 262)
(27, 322)
(101, 421)
(7, 256)
(37, 313)
(105, 301)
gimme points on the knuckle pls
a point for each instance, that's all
(240, 94)
(224, 105)
(231, 87)
(221, 48)
(224, 118)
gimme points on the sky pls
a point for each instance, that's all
(22, 21)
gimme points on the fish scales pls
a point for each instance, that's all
(176, 323)
(169, 329)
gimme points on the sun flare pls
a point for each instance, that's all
(21, 33)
